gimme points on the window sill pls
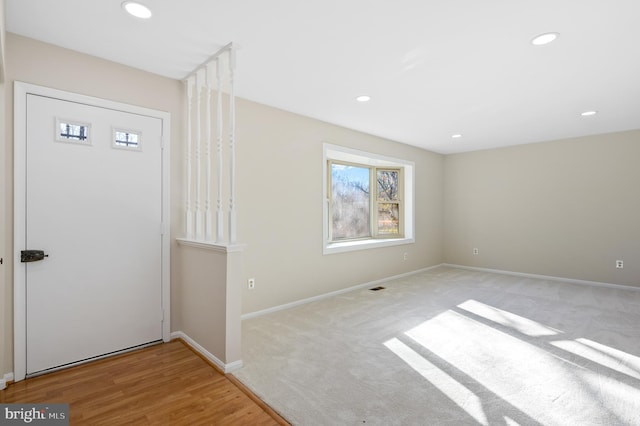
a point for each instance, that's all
(345, 246)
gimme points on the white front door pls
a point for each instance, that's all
(94, 208)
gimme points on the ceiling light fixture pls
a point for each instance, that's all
(456, 136)
(588, 113)
(363, 98)
(543, 39)
(136, 9)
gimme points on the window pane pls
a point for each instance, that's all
(388, 223)
(72, 131)
(127, 139)
(350, 201)
(388, 185)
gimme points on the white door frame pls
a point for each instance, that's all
(21, 90)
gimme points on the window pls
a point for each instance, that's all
(356, 211)
(68, 131)
(128, 139)
(368, 200)
(350, 203)
(388, 202)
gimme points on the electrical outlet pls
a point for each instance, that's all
(405, 256)
(476, 251)
(251, 283)
(619, 264)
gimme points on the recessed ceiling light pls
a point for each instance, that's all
(543, 39)
(588, 113)
(136, 9)
(456, 136)
(363, 98)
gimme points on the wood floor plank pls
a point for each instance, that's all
(158, 385)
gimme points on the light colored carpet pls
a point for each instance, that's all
(452, 347)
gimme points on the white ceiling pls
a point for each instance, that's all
(433, 68)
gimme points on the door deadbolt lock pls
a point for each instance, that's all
(32, 255)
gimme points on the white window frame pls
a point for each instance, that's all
(349, 155)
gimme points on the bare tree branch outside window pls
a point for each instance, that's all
(350, 201)
(388, 202)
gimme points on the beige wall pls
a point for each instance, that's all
(42, 64)
(202, 275)
(566, 208)
(280, 209)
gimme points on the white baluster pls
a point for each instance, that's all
(232, 153)
(219, 130)
(199, 223)
(207, 200)
(188, 212)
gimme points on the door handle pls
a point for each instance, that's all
(32, 255)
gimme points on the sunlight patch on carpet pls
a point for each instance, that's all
(505, 365)
(507, 319)
(510, 422)
(453, 389)
(614, 395)
(632, 362)
(601, 354)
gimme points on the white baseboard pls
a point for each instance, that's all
(6, 379)
(331, 294)
(544, 277)
(227, 368)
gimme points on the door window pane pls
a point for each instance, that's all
(69, 131)
(127, 139)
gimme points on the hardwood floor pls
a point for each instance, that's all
(167, 384)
